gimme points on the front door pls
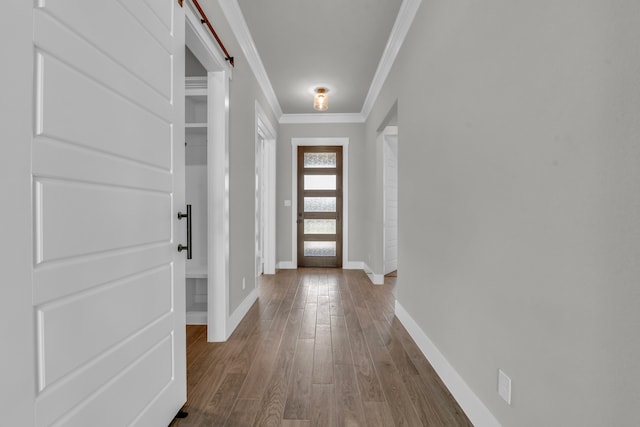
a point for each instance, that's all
(108, 180)
(319, 206)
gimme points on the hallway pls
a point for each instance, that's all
(321, 347)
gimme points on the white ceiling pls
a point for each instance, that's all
(304, 44)
(294, 46)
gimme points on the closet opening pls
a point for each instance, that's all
(196, 188)
(206, 103)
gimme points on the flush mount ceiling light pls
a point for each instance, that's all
(321, 99)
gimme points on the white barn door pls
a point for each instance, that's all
(107, 159)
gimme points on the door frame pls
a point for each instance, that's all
(339, 141)
(389, 133)
(218, 75)
(259, 209)
(266, 132)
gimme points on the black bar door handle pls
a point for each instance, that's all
(188, 246)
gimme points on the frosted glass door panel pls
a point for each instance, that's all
(319, 248)
(320, 160)
(319, 204)
(319, 182)
(319, 212)
(319, 226)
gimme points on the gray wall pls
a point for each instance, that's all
(519, 202)
(243, 93)
(357, 165)
(193, 67)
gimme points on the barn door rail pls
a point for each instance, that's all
(205, 20)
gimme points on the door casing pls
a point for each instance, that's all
(266, 136)
(389, 144)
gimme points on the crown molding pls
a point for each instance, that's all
(405, 17)
(321, 118)
(233, 13)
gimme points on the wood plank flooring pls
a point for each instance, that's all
(321, 347)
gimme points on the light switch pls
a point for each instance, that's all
(287, 202)
(504, 386)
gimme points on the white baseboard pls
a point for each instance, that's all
(478, 413)
(376, 279)
(349, 265)
(240, 312)
(286, 265)
(353, 265)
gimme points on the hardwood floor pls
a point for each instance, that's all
(321, 347)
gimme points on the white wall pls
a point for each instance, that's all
(519, 201)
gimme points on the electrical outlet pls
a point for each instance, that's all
(244, 285)
(504, 386)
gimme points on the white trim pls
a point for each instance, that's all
(218, 205)
(478, 413)
(201, 44)
(322, 118)
(233, 13)
(390, 131)
(376, 279)
(241, 311)
(287, 265)
(339, 141)
(195, 86)
(353, 265)
(270, 232)
(266, 131)
(405, 17)
(264, 125)
(385, 142)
